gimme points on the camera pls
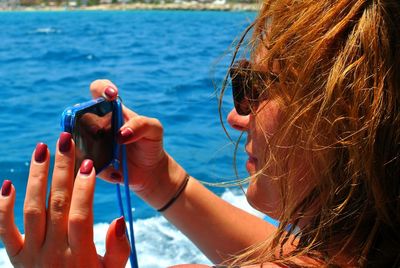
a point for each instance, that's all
(94, 126)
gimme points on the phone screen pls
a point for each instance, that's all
(94, 135)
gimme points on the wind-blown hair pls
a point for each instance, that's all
(339, 88)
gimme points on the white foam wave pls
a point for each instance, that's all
(4, 261)
(158, 243)
(47, 30)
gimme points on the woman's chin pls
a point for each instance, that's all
(264, 198)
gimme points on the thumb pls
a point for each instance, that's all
(117, 245)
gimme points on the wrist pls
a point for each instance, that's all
(166, 180)
(175, 197)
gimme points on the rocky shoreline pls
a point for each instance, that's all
(144, 6)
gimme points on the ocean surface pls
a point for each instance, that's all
(167, 64)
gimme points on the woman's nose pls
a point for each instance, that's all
(237, 121)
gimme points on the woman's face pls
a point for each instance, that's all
(263, 192)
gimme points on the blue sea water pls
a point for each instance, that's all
(165, 64)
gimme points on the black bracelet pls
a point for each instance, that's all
(177, 194)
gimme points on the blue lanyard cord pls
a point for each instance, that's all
(133, 255)
(120, 205)
(130, 236)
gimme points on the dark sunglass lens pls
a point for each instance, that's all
(237, 91)
(242, 87)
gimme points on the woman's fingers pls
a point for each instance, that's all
(111, 175)
(80, 222)
(117, 245)
(35, 198)
(128, 113)
(104, 88)
(140, 127)
(61, 190)
(146, 134)
(9, 233)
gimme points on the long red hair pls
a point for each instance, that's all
(340, 90)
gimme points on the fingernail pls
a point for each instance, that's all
(124, 135)
(120, 227)
(116, 176)
(6, 188)
(64, 143)
(86, 167)
(40, 152)
(110, 92)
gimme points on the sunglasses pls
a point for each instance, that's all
(248, 86)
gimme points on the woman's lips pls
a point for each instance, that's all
(251, 163)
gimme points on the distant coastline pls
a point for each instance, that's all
(143, 6)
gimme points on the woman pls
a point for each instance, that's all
(319, 102)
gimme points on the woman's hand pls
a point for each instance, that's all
(153, 174)
(60, 235)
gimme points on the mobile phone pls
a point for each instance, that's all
(93, 126)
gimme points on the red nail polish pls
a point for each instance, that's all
(6, 188)
(65, 141)
(120, 227)
(40, 152)
(86, 167)
(124, 135)
(110, 92)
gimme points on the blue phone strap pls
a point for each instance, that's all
(122, 148)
